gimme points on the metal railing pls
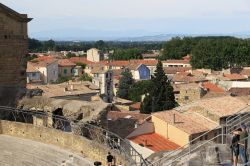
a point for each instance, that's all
(229, 121)
(182, 148)
(92, 132)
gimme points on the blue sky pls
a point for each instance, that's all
(129, 18)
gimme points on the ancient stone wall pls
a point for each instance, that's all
(75, 144)
(13, 49)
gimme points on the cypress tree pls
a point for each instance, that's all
(162, 93)
(126, 82)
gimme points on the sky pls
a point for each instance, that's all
(102, 19)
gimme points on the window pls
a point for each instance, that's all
(186, 97)
(33, 74)
(65, 71)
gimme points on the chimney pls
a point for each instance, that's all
(174, 120)
(72, 87)
(136, 125)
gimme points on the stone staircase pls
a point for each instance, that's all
(23, 152)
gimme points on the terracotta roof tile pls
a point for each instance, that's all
(31, 68)
(240, 91)
(175, 70)
(155, 142)
(136, 106)
(65, 63)
(80, 59)
(188, 121)
(234, 77)
(212, 87)
(245, 72)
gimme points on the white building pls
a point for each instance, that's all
(48, 69)
(104, 80)
(176, 63)
(95, 55)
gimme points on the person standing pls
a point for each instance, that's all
(235, 148)
(243, 144)
(110, 159)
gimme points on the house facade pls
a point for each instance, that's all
(95, 55)
(66, 68)
(104, 80)
(140, 72)
(33, 75)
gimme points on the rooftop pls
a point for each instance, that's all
(212, 87)
(188, 121)
(65, 63)
(155, 142)
(57, 90)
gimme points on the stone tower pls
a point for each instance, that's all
(13, 50)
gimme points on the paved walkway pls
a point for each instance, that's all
(22, 152)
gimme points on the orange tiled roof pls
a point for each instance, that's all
(235, 76)
(43, 61)
(174, 70)
(31, 68)
(145, 62)
(65, 63)
(212, 87)
(155, 142)
(114, 115)
(187, 57)
(136, 106)
(80, 59)
(245, 72)
(119, 63)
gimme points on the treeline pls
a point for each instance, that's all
(50, 45)
(209, 52)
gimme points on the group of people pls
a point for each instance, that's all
(239, 145)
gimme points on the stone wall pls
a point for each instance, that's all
(75, 144)
(13, 49)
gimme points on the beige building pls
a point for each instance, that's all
(13, 49)
(95, 55)
(66, 68)
(190, 93)
(187, 122)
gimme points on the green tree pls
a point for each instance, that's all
(70, 54)
(85, 77)
(49, 45)
(138, 89)
(161, 93)
(146, 105)
(126, 82)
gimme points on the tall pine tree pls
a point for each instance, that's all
(126, 82)
(161, 95)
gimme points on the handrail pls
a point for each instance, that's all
(238, 123)
(231, 118)
(208, 141)
(109, 137)
(188, 153)
(184, 146)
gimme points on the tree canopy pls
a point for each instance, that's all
(161, 96)
(126, 82)
(209, 52)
